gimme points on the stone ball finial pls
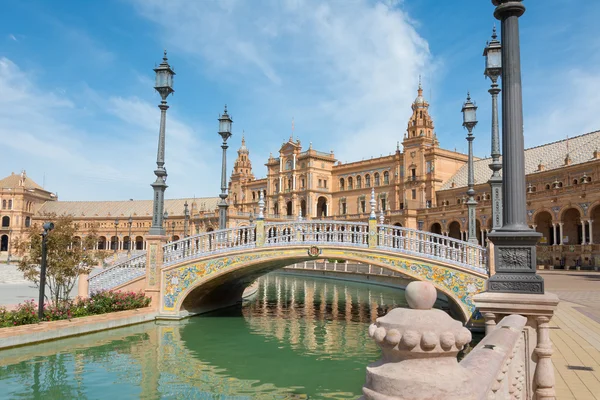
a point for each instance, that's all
(420, 295)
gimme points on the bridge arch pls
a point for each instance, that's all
(219, 280)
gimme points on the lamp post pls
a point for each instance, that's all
(186, 220)
(225, 132)
(129, 223)
(469, 111)
(493, 70)
(116, 234)
(48, 226)
(164, 87)
(514, 242)
(173, 230)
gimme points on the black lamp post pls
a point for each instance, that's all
(116, 234)
(186, 221)
(48, 226)
(129, 222)
(493, 70)
(469, 111)
(514, 243)
(164, 87)
(225, 132)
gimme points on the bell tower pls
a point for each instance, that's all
(420, 125)
(241, 175)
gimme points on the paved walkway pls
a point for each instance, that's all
(575, 333)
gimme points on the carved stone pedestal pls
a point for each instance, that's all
(419, 347)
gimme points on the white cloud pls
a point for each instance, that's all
(566, 107)
(347, 70)
(12, 37)
(106, 150)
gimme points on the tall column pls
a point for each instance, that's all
(514, 243)
(560, 235)
(590, 241)
(583, 232)
(554, 227)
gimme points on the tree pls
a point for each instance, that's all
(68, 255)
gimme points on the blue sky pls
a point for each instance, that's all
(78, 111)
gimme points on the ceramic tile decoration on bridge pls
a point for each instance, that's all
(203, 263)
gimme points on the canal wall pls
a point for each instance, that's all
(45, 331)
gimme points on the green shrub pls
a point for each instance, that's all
(98, 303)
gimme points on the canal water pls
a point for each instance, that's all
(297, 338)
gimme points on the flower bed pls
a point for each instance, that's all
(98, 303)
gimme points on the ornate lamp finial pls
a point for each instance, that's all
(261, 206)
(373, 204)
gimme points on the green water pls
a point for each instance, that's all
(297, 338)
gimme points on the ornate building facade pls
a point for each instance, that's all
(421, 187)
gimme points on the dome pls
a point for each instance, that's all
(243, 149)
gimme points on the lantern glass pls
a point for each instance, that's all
(224, 125)
(494, 58)
(164, 78)
(469, 115)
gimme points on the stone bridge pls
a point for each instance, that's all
(211, 270)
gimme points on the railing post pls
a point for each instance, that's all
(260, 233)
(154, 263)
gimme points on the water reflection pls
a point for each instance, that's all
(297, 338)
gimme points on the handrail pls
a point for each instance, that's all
(118, 274)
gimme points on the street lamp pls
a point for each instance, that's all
(514, 243)
(173, 227)
(186, 220)
(129, 222)
(225, 132)
(469, 111)
(48, 226)
(164, 87)
(116, 234)
(493, 70)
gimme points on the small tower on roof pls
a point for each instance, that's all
(242, 166)
(420, 124)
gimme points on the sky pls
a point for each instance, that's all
(79, 113)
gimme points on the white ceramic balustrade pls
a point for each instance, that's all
(118, 274)
(278, 234)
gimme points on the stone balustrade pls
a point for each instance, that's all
(420, 347)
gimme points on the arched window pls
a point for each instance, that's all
(367, 180)
(358, 182)
(27, 222)
(350, 183)
(253, 196)
(377, 179)
(10, 204)
(386, 178)
(4, 204)
(341, 183)
(5, 221)
(288, 165)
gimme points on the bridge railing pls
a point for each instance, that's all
(209, 243)
(433, 246)
(315, 232)
(118, 274)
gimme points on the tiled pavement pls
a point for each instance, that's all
(575, 333)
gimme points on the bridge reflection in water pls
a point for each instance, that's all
(296, 338)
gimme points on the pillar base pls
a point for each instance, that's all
(515, 262)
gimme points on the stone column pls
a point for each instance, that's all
(560, 230)
(154, 262)
(591, 232)
(83, 286)
(554, 226)
(544, 372)
(582, 232)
